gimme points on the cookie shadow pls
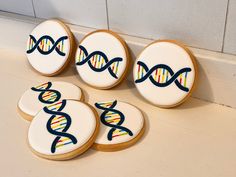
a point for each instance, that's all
(86, 96)
(86, 154)
(69, 71)
(146, 128)
(124, 85)
(202, 93)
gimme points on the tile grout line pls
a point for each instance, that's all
(152, 40)
(120, 33)
(32, 2)
(225, 26)
(108, 24)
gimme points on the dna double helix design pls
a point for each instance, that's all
(98, 61)
(58, 124)
(47, 95)
(162, 75)
(46, 44)
(113, 118)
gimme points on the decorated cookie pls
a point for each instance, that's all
(121, 126)
(49, 47)
(63, 130)
(102, 59)
(35, 98)
(165, 73)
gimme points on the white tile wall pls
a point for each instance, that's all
(81, 12)
(230, 35)
(199, 23)
(17, 6)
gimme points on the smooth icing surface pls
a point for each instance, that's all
(48, 47)
(164, 73)
(35, 98)
(101, 59)
(61, 127)
(120, 122)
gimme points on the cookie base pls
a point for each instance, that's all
(119, 146)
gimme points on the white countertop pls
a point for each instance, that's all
(195, 139)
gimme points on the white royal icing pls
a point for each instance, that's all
(82, 127)
(176, 58)
(52, 62)
(30, 103)
(112, 48)
(133, 121)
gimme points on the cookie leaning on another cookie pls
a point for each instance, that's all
(102, 59)
(63, 130)
(50, 47)
(165, 73)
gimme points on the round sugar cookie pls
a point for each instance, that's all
(121, 125)
(35, 98)
(165, 73)
(63, 130)
(50, 47)
(102, 59)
